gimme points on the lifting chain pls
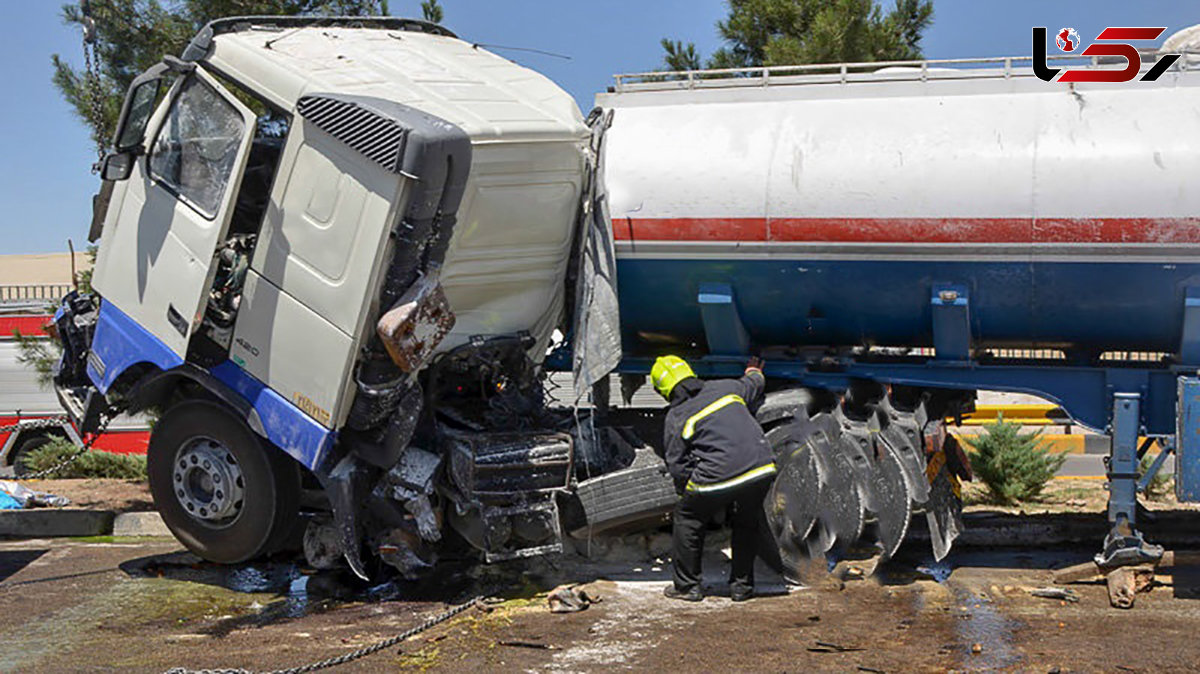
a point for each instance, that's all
(91, 63)
(35, 424)
(353, 655)
(56, 422)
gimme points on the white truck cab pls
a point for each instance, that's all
(308, 229)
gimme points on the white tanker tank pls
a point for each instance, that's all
(833, 204)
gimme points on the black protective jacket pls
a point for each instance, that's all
(711, 439)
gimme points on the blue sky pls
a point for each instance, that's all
(45, 179)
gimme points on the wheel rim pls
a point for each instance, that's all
(208, 482)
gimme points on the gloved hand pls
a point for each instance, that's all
(755, 363)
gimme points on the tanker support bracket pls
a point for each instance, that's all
(1124, 545)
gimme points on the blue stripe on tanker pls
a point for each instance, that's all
(1087, 305)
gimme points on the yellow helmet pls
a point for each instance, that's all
(667, 372)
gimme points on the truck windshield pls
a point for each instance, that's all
(197, 147)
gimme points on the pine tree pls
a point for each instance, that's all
(432, 11)
(132, 35)
(1010, 463)
(680, 56)
(794, 32)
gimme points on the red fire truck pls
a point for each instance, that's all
(30, 416)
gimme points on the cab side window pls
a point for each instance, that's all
(197, 147)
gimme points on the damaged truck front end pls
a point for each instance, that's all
(335, 281)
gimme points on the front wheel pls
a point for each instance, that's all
(224, 494)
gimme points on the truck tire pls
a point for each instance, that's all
(224, 494)
(638, 493)
(24, 449)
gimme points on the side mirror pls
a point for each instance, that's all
(139, 103)
(117, 166)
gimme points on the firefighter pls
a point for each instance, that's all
(719, 458)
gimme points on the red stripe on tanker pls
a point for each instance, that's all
(912, 230)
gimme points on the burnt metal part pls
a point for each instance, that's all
(198, 48)
(840, 513)
(322, 545)
(496, 467)
(600, 450)
(641, 492)
(419, 322)
(380, 388)
(895, 504)
(489, 383)
(793, 500)
(347, 484)
(505, 486)
(902, 435)
(879, 478)
(75, 324)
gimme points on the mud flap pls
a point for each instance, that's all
(944, 510)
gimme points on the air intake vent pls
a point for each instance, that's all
(379, 138)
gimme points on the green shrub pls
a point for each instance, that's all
(91, 464)
(1010, 463)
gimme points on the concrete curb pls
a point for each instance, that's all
(55, 523)
(140, 524)
(991, 529)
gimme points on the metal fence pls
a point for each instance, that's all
(50, 292)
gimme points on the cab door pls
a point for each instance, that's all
(162, 229)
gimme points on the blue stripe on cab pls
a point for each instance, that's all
(120, 343)
(290, 429)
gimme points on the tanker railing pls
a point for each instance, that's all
(996, 67)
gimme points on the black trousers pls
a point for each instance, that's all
(696, 510)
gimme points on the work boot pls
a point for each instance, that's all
(694, 594)
(741, 595)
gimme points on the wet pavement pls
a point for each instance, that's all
(146, 606)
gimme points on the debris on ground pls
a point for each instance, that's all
(528, 644)
(571, 599)
(827, 647)
(1055, 593)
(15, 496)
(1126, 582)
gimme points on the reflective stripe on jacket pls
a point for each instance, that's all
(748, 476)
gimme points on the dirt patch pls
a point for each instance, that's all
(99, 494)
(1066, 495)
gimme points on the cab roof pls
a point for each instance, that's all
(400, 60)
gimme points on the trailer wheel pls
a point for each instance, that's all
(24, 449)
(224, 494)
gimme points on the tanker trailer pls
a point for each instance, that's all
(892, 239)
